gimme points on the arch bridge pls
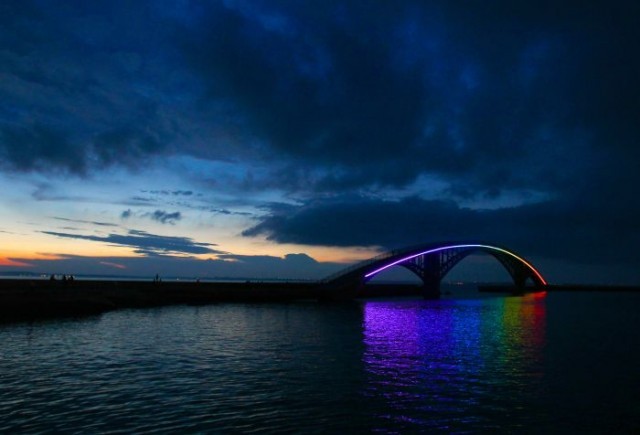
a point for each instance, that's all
(431, 263)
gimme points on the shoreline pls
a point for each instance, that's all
(506, 288)
(33, 299)
(26, 299)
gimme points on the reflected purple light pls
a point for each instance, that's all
(447, 363)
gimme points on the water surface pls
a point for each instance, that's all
(559, 362)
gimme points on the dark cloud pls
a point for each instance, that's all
(147, 244)
(125, 144)
(136, 200)
(551, 229)
(165, 217)
(312, 88)
(224, 211)
(126, 214)
(488, 97)
(97, 223)
(355, 221)
(330, 96)
(47, 192)
(295, 260)
(169, 192)
(38, 147)
(74, 96)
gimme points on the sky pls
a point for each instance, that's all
(287, 139)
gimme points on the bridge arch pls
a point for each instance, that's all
(431, 262)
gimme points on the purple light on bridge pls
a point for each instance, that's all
(444, 248)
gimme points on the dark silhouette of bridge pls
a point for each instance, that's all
(431, 263)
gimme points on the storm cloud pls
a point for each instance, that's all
(487, 96)
(69, 104)
(333, 95)
(566, 231)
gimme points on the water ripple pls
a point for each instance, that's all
(404, 366)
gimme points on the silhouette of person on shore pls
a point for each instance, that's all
(52, 278)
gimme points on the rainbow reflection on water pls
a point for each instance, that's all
(445, 364)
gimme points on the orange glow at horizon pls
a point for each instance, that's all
(22, 258)
(54, 250)
(5, 261)
(344, 255)
(20, 250)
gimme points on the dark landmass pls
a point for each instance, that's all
(502, 288)
(26, 299)
(22, 299)
(595, 288)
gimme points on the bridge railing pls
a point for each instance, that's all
(359, 265)
(365, 263)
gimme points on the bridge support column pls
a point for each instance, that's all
(431, 287)
(428, 268)
(520, 281)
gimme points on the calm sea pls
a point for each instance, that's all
(561, 362)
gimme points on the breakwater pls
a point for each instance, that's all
(509, 288)
(25, 299)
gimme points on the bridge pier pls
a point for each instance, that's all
(429, 269)
(340, 291)
(431, 287)
(520, 282)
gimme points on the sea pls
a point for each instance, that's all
(561, 362)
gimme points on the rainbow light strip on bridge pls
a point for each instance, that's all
(444, 248)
